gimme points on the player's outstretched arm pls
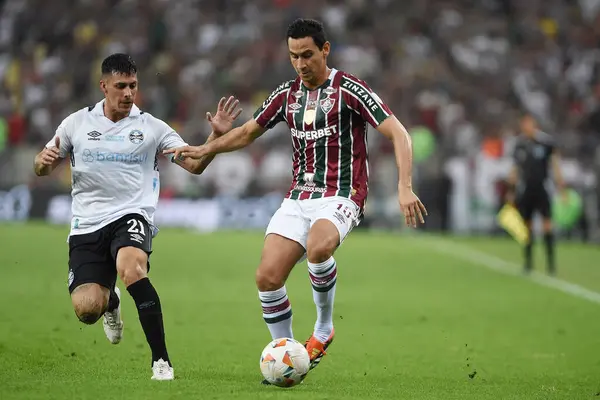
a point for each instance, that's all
(410, 205)
(48, 159)
(196, 166)
(234, 140)
(221, 123)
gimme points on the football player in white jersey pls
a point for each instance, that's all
(113, 149)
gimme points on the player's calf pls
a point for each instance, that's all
(132, 269)
(323, 239)
(89, 302)
(276, 307)
(528, 250)
(278, 257)
(323, 279)
(549, 243)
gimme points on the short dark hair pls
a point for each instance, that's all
(119, 63)
(303, 27)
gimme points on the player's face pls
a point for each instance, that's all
(309, 62)
(528, 125)
(120, 91)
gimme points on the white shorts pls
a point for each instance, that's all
(294, 218)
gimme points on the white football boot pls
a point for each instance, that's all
(162, 371)
(113, 326)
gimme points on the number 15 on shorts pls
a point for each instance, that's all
(344, 209)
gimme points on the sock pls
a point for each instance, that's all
(549, 240)
(528, 248)
(277, 312)
(150, 313)
(113, 301)
(323, 277)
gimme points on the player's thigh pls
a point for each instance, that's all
(284, 246)
(91, 274)
(131, 246)
(290, 222)
(90, 261)
(330, 225)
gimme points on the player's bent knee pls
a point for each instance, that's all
(320, 252)
(320, 249)
(132, 265)
(269, 279)
(89, 302)
(323, 239)
(131, 273)
(89, 318)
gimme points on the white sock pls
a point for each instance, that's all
(323, 277)
(277, 312)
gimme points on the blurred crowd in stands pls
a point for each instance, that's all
(462, 69)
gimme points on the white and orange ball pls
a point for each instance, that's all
(284, 362)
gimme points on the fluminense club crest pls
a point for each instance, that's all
(327, 104)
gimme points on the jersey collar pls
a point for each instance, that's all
(98, 110)
(328, 82)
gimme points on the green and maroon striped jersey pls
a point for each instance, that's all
(328, 126)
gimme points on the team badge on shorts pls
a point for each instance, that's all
(71, 277)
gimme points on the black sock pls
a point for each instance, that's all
(148, 305)
(113, 301)
(528, 248)
(549, 240)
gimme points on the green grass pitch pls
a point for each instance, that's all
(412, 322)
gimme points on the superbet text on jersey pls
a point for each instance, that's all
(328, 126)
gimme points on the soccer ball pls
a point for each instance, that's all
(284, 362)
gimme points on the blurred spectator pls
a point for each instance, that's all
(460, 67)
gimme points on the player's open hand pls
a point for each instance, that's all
(227, 112)
(180, 153)
(49, 154)
(412, 208)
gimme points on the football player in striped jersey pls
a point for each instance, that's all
(327, 112)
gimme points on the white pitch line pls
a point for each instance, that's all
(474, 256)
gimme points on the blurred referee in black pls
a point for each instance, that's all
(530, 186)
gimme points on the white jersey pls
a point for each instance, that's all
(114, 165)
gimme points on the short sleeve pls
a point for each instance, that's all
(167, 137)
(65, 133)
(272, 110)
(364, 101)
